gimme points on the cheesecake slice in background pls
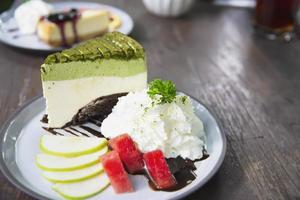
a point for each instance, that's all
(66, 28)
(82, 82)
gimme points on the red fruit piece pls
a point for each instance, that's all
(129, 153)
(158, 169)
(116, 173)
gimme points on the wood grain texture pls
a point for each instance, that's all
(251, 84)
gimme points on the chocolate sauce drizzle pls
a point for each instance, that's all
(92, 131)
(73, 130)
(52, 131)
(182, 169)
(61, 18)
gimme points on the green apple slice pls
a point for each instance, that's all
(58, 163)
(70, 146)
(75, 175)
(83, 189)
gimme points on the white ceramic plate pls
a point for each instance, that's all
(32, 42)
(19, 143)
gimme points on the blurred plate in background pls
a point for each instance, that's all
(10, 35)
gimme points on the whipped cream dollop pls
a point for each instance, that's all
(28, 14)
(171, 127)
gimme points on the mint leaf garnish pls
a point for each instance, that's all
(162, 91)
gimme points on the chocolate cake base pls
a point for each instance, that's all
(96, 111)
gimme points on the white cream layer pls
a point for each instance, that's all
(65, 98)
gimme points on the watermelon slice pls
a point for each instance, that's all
(116, 173)
(129, 153)
(158, 169)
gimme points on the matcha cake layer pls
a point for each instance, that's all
(73, 78)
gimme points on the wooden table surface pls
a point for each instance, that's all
(251, 84)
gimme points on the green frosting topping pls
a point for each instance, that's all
(112, 45)
(80, 69)
(114, 54)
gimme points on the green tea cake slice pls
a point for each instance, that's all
(99, 70)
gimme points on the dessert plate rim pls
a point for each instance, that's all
(11, 177)
(126, 26)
